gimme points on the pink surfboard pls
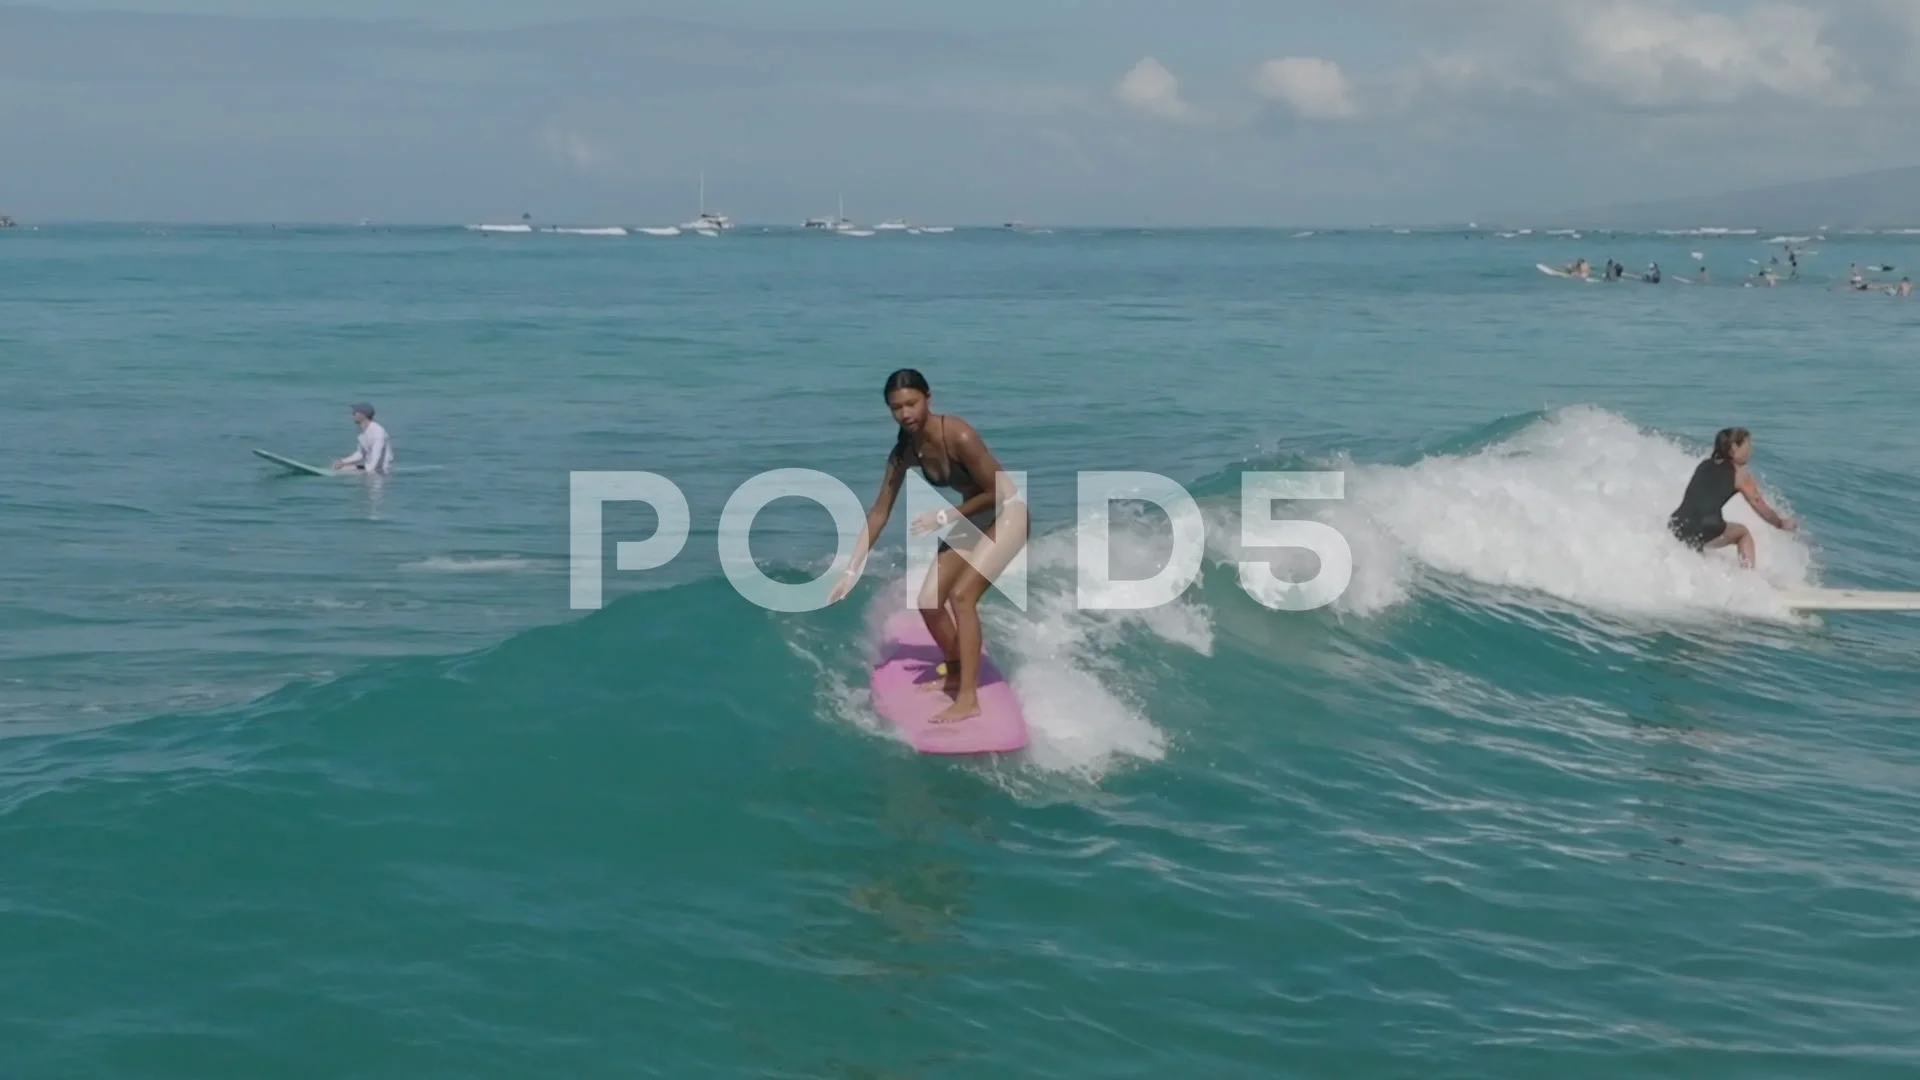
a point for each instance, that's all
(908, 659)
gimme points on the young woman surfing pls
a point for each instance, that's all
(949, 453)
(1697, 521)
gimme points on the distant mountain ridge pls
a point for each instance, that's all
(1883, 198)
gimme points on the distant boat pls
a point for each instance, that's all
(6, 222)
(707, 222)
(838, 223)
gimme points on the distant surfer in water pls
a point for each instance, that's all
(374, 452)
(949, 453)
(1697, 522)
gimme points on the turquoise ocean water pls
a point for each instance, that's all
(306, 777)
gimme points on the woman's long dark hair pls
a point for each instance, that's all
(1726, 440)
(904, 379)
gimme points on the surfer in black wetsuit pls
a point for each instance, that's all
(1698, 523)
(949, 453)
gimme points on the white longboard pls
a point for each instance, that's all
(296, 466)
(1850, 600)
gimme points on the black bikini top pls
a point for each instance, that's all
(954, 466)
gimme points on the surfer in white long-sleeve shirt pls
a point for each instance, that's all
(375, 451)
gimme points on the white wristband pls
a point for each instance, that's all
(941, 517)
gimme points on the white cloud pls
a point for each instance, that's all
(1313, 88)
(1651, 53)
(1670, 55)
(1150, 88)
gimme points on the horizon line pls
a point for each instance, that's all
(1553, 222)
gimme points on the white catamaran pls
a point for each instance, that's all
(838, 223)
(708, 223)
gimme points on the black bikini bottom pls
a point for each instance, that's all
(1697, 534)
(967, 541)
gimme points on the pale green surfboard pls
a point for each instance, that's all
(1850, 600)
(296, 466)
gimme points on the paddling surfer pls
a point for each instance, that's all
(949, 453)
(1697, 521)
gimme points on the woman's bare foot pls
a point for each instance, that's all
(959, 710)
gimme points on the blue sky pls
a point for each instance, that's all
(1054, 111)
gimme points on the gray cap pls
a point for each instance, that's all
(363, 409)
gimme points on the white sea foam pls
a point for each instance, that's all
(1070, 666)
(460, 564)
(1711, 230)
